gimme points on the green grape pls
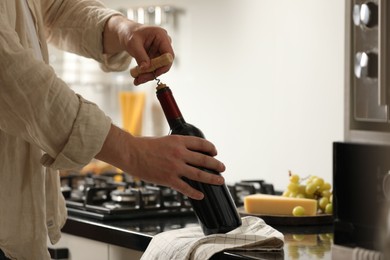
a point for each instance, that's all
(314, 188)
(311, 178)
(326, 193)
(326, 186)
(310, 188)
(318, 182)
(298, 211)
(323, 202)
(329, 208)
(293, 187)
(294, 178)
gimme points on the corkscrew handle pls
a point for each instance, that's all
(156, 63)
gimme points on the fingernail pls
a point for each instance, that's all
(223, 166)
(143, 65)
(200, 196)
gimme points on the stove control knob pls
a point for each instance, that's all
(356, 14)
(369, 14)
(366, 65)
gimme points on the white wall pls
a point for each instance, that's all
(263, 79)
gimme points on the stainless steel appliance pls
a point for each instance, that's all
(362, 163)
(367, 73)
(361, 189)
(111, 196)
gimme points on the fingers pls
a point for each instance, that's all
(146, 43)
(197, 159)
(203, 175)
(145, 77)
(201, 145)
(186, 189)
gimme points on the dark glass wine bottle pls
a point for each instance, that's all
(216, 212)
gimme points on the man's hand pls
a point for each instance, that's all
(163, 160)
(141, 42)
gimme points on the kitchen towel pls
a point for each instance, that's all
(191, 244)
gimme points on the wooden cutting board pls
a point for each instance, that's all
(281, 220)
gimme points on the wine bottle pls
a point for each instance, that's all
(216, 212)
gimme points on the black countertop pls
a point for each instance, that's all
(301, 242)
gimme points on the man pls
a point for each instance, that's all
(45, 126)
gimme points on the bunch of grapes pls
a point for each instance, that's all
(314, 188)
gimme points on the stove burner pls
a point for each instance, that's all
(102, 198)
(126, 196)
(112, 196)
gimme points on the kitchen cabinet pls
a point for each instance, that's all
(84, 248)
(120, 253)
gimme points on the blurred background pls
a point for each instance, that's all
(263, 79)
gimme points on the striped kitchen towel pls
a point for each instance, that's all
(191, 244)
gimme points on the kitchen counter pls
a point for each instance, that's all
(301, 242)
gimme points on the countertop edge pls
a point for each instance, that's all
(106, 234)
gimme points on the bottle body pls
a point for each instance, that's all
(216, 212)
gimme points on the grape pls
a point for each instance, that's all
(323, 202)
(294, 178)
(326, 193)
(329, 208)
(311, 187)
(293, 187)
(318, 182)
(326, 186)
(298, 211)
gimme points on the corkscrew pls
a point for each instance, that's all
(157, 79)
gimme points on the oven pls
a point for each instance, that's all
(361, 163)
(367, 71)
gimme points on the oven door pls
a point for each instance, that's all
(361, 190)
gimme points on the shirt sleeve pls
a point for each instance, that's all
(38, 107)
(77, 26)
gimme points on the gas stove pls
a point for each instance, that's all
(110, 196)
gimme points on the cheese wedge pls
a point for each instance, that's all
(277, 205)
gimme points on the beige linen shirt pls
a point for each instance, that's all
(44, 125)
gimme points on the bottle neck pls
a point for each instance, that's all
(169, 106)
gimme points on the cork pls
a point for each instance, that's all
(156, 63)
(160, 86)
